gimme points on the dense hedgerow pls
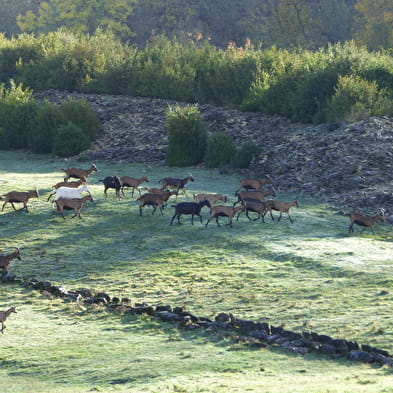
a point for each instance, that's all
(187, 136)
(298, 84)
(34, 125)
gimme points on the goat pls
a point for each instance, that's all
(256, 206)
(212, 198)
(69, 184)
(164, 193)
(224, 211)
(112, 182)
(72, 204)
(155, 200)
(6, 259)
(66, 192)
(4, 315)
(251, 184)
(174, 183)
(258, 195)
(19, 197)
(132, 182)
(282, 207)
(79, 173)
(193, 208)
(365, 220)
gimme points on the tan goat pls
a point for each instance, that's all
(71, 204)
(365, 220)
(4, 315)
(19, 197)
(252, 184)
(282, 207)
(224, 211)
(134, 183)
(79, 173)
(6, 259)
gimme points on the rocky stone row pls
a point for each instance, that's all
(258, 334)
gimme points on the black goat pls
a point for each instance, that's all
(193, 208)
(112, 182)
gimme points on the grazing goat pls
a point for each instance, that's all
(79, 173)
(282, 207)
(4, 315)
(19, 197)
(69, 184)
(71, 204)
(112, 182)
(251, 184)
(256, 206)
(174, 183)
(212, 198)
(365, 220)
(66, 192)
(193, 208)
(258, 195)
(155, 200)
(224, 211)
(6, 259)
(132, 182)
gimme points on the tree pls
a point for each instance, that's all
(374, 23)
(84, 16)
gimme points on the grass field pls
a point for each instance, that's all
(308, 275)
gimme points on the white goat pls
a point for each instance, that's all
(67, 192)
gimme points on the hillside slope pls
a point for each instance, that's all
(348, 164)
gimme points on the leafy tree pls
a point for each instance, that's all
(80, 16)
(375, 23)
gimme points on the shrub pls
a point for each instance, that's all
(70, 140)
(245, 154)
(17, 111)
(187, 136)
(80, 114)
(356, 98)
(47, 120)
(220, 150)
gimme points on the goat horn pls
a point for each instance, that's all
(17, 249)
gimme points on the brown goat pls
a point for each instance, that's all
(72, 204)
(224, 211)
(365, 220)
(69, 184)
(257, 195)
(282, 207)
(252, 184)
(19, 197)
(6, 259)
(256, 206)
(155, 200)
(211, 198)
(79, 173)
(134, 183)
(4, 315)
(175, 184)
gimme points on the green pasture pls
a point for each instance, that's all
(309, 275)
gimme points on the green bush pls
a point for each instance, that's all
(220, 150)
(70, 140)
(356, 98)
(79, 113)
(17, 112)
(187, 136)
(48, 118)
(245, 154)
